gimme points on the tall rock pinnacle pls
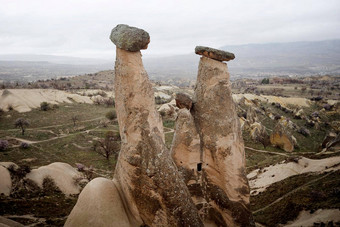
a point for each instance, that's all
(218, 183)
(150, 187)
(145, 170)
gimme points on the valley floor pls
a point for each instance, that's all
(53, 136)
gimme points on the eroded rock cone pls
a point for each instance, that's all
(282, 138)
(218, 181)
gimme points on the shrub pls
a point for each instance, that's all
(44, 106)
(109, 101)
(159, 100)
(50, 187)
(265, 81)
(98, 101)
(10, 107)
(89, 173)
(2, 112)
(80, 167)
(111, 115)
(20, 171)
(24, 145)
(3, 145)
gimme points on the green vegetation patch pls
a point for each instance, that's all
(168, 139)
(169, 124)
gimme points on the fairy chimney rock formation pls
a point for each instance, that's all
(208, 148)
(215, 54)
(200, 182)
(150, 188)
(129, 38)
(183, 101)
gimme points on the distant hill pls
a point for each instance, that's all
(300, 58)
(52, 59)
(296, 58)
(41, 70)
(269, 59)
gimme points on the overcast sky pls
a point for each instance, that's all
(81, 28)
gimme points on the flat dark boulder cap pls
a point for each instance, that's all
(183, 101)
(215, 54)
(130, 38)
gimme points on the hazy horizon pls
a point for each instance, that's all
(109, 59)
(81, 28)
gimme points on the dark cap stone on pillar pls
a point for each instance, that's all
(129, 38)
(215, 54)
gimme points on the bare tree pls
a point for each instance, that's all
(22, 124)
(263, 137)
(74, 118)
(108, 146)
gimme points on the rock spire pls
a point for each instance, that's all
(150, 189)
(209, 152)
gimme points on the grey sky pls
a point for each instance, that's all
(81, 28)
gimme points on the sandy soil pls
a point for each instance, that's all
(305, 218)
(259, 180)
(23, 100)
(302, 102)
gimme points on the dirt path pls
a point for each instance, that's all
(55, 138)
(268, 152)
(50, 139)
(291, 192)
(171, 130)
(53, 126)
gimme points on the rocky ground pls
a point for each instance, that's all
(292, 153)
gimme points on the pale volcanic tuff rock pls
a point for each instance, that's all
(185, 150)
(221, 144)
(145, 171)
(63, 174)
(100, 204)
(209, 151)
(6, 181)
(282, 138)
(129, 38)
(150, 187)
(215, 54)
